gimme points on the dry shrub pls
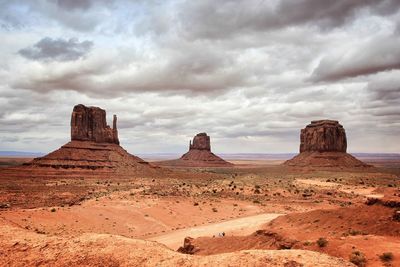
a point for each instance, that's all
(358, 258)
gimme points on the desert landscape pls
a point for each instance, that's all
(221, 133)
(92, 203)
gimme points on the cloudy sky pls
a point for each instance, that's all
(250, 73)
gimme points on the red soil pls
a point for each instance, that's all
(197, 158)
(19, 247)
(374, 220)
(83, 156)
(325, 160)
(345, 229)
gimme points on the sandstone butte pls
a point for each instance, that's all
(323, 143)
(89, 124)
(199, 155)
(93, 151)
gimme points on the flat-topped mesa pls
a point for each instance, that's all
(201, 142)
(90, 124)
(323, 136)
(323, 144)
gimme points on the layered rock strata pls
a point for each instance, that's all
(322, 136)
(323, 143)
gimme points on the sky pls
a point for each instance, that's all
(250, 73)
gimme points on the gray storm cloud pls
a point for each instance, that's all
(377, 55)
(386, 87)
(251, 73)
(191, 69)
(57, 49)
(224, 19)
(79, 15)
(75, 5)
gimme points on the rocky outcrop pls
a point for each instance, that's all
(187, 247)
(323, 135)
(261, 239)
(201, 142)
(90, 124)
(93, 151)
(199, 155)
(323, 143)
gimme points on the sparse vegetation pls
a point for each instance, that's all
(322, 242)
(386, 256)
(371, 201)
(53, 210)
(40, 231)
(355, 232)
(358, 258)
(396, 215)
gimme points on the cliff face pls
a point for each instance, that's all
(201, 142)
(323, 136)
(323, 143)
(89, 124)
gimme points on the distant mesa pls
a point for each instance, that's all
(199, 155)
(93, 151)
(323, 143)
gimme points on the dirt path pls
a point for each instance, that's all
(240, 226)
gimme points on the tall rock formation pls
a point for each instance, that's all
(199, 155)
(90, 124)
(322, 136)
(201, 142)
(323, 143)
(93, 151)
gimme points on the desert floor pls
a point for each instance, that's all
(258, 204)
